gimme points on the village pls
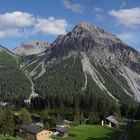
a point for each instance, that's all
(36, 131)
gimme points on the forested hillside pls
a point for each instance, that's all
(62, 87)
(14, 84)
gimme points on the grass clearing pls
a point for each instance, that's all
(8, 138)
(93, 132)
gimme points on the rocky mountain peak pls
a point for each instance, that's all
(86, 30)
(96, 43)
(31, 47)
(85, 37)
(85, 25)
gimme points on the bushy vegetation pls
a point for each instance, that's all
(10, 121)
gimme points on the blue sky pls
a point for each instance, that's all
(22, 20)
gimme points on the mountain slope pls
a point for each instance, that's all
(14, 85)
(93, 44)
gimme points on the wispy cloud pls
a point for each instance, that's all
(128, 17)
(76, 7)
(131, 38)
(97, 9)
(101, 18)
(22, 23)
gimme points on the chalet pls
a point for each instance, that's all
(59, 132)
(64, 124)
(110, 121)
(37, 124)
(29, 132)
(83, 120)
(6, 105)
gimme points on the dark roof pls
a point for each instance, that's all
(63, 122)
(61, 130)
(30, 129)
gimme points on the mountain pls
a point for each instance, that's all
(87, 70)
(31, 47)
(14, 84)
(90, 60)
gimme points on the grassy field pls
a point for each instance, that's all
(135, 135)
(93, 132)
(8, 138)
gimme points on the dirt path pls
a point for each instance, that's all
(127, 130)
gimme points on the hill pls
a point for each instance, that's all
(14, 84)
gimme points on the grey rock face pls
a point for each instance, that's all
(31, 47)
(98, 44)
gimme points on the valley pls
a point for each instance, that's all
(87, 74)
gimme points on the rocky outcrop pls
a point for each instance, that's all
(31, 47)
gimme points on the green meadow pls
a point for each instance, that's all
(93, 132)
(8, 138)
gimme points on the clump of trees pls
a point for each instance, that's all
(10, 121)
(137, 116)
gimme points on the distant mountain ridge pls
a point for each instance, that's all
(31, 47)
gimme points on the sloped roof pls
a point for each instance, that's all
(112, 119)
(63, 122)
(30, 129)
(61, 130)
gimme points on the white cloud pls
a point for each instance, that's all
(22, 23)
(16, 19)
(127, 17)
(97, 9)
(76, 7)
(51, 26)
(9, 32)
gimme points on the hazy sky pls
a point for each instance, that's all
(22, 20)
